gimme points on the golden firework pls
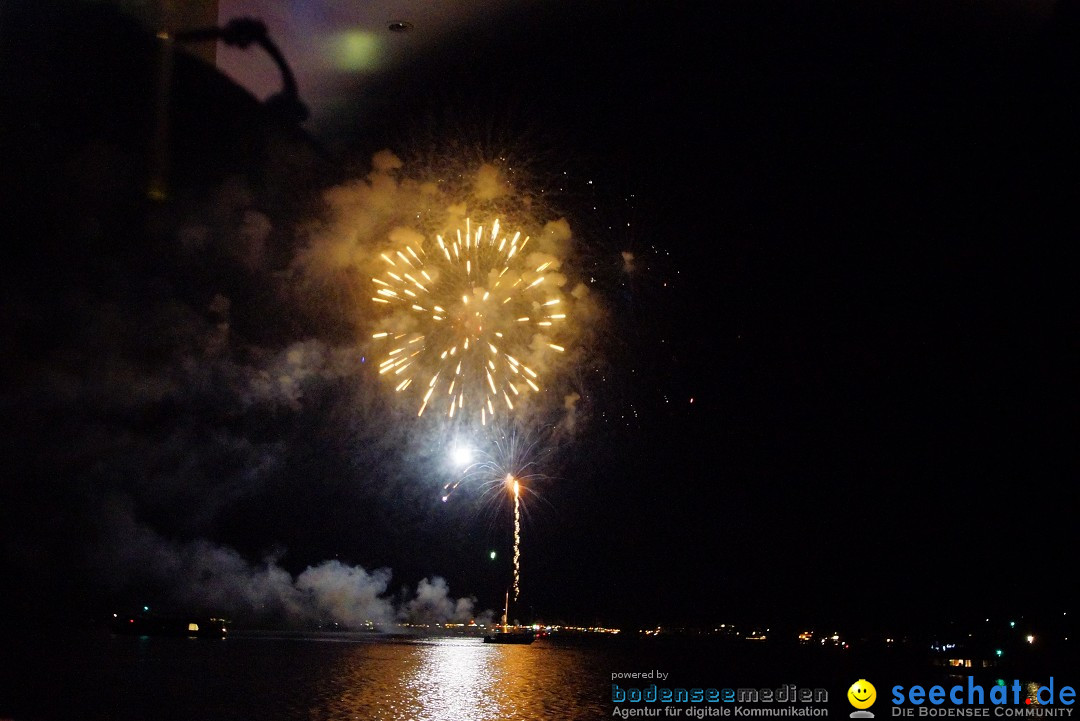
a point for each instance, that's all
(468, 317)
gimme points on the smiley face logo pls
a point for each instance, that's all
(862, 694)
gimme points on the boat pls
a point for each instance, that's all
(510, 634)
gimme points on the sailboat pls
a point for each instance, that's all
(516, 634)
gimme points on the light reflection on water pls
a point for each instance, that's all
(457, 680)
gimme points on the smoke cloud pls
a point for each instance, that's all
(214, 579)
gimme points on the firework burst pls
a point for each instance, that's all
(470, 315)
(507, 451)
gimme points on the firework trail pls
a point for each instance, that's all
(467, 313)
(517, 537)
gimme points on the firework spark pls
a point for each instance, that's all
(468, 311)
(506, 450)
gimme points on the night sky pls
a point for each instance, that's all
(836, 382)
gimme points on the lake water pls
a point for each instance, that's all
(316, 676)
(267, 676)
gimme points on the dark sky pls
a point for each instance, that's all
(839, 380)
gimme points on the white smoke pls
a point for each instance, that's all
(203, 576)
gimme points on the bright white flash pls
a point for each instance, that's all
(461, 455)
